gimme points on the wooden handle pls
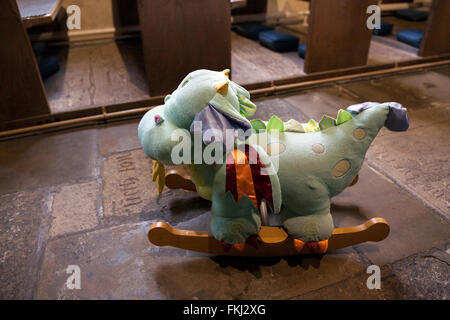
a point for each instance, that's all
(275, 240)
(375, 229)
(179, 179)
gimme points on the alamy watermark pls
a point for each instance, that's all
(73, 17)
(74, 280)
(374, 280)
(211, 146)
(374, 21)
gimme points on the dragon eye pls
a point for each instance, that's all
(158, 119)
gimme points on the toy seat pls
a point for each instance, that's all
(302, 50)
(411, 15)
(386, 28)
(278, 41)
(250, 30)
(411, 37)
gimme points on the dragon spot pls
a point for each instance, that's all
(275, 148)
(359, 133)
(318, 148)
(341, 168)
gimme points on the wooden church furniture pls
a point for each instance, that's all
(179, 36)
(21, 88)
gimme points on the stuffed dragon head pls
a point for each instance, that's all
(203, 95)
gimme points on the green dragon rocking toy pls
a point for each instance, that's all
(256, 171)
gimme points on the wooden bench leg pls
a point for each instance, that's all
(21, 89)
(338, 36)
(180, 36)
(436, 37)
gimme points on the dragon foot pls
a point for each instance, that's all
(313, 246)
(298, 244)
(253, 241)
(226, 246)
(239, 246)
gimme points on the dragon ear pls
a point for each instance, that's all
(220, 121)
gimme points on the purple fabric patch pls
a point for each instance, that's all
(357, 108)
(217, 123)
(397, 119)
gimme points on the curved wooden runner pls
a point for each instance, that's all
(276, 242)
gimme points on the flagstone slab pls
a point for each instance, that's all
(48, 160)
(127, 183)
(270, 106)
(419, 161)
(316, 103)
(75, 208)
(130, 195)
(421, 276)
(415, 91)
(118, 137)
(424, 94)
(24, 226)
(414, 227)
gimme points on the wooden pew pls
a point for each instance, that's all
(436, 37)
(22, 92)
(180, 36)
(337, 35)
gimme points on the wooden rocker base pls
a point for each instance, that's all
(275, 241)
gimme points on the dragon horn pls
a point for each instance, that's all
(226, 72)
(221, 87)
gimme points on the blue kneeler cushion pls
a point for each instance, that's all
(411, 15)
(47, 63)
(411, 37)
(250, 30)
(278, 41)
(302, 50)
(385, 28)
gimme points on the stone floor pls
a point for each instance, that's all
(61, 204)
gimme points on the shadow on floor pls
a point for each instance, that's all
(253, 264)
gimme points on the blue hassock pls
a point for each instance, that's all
(385, 28)
(302, 50)
(39, 48)
(412, 15)
(411, 37)
(278, 41)
(250, 30)
(48, 65)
